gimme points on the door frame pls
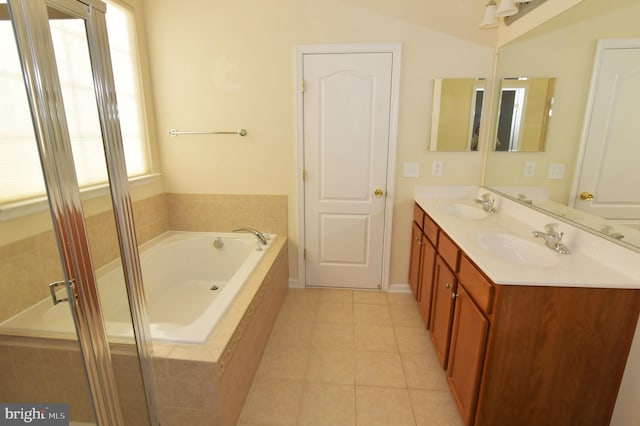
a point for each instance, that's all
(395, 50)
(602, 46)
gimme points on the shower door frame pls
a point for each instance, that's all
(30, 21)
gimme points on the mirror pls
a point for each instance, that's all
(457, 110)
(565, 47)
(523, 114)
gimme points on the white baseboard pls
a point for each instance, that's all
(399, 288)
(294, 283)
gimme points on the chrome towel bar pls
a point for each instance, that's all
(240, 132)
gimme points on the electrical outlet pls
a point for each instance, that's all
(529, 169)
(436, 168)
(411, 170)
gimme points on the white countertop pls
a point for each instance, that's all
(594, 262)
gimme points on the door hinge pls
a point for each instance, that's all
(304, 254)
(304, 175)
(301, 86)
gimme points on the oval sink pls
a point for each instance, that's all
(464, 210)
(517, 250)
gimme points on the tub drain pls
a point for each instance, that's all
(214, 287)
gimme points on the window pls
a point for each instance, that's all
(20, 173)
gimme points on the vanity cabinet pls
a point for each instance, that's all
(524, 354)
(424, 235)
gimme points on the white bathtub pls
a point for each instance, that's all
(189, 284)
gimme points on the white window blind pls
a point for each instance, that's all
(20, 173)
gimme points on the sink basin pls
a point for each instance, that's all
(464, 210)
(518, 250)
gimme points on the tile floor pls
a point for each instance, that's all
(342, 357)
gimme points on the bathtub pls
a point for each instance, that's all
(189, 284)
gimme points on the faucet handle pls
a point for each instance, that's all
(551, 228)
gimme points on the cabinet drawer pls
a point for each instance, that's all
(418, 215)
(449, 251)
(431, 230)
(476, 284)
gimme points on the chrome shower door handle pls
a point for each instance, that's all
(52, 288)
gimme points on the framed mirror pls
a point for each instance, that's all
(457, 111)
(566, 47)
(525, 105)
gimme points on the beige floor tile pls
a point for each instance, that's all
(332, 336)
(328, 404)
(286, 333)
(273, 402)
(435, 408)
(375, 297)
(331, 366)
(284, 362)
(341, 313)
(406, 316)
(423, 371)
(383, 406)
(298, 311)
(413, 339)
(379, 369)
(336, 295)
(308, 295)
(401, 299)
(369, 314)
(380, 338)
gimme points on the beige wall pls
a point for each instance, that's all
(224, 65)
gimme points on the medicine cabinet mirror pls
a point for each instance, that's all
(457, 111)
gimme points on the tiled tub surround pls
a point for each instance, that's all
(197, 384)
(153, 216)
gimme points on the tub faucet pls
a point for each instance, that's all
(552, 238)
(259, 235)
(487, 203)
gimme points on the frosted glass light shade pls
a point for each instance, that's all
(490, 20)
(506, 8)
(522, 1)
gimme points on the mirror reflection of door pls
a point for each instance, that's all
(457, 112)
(525, 106)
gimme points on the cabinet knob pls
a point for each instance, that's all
(447, 285)
(453, 296)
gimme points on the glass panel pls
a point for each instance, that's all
(37, 339)
(75, 72)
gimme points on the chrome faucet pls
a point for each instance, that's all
(552, 238)
(487, 203)
(259, 235)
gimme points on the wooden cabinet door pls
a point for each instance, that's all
(466, 356)
(414, 263)
(442, 309)
(426, 281)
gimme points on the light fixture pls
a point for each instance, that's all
(506, 8)
(490, 20)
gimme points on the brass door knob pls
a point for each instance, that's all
(379, 193)
(586, 196)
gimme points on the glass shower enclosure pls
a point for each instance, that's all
(62, 124)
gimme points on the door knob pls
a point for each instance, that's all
(586, 196)
(379, 193)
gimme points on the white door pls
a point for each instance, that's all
(610, 171)
(346, 122)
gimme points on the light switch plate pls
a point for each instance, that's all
(555, 171)
(411, 170)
